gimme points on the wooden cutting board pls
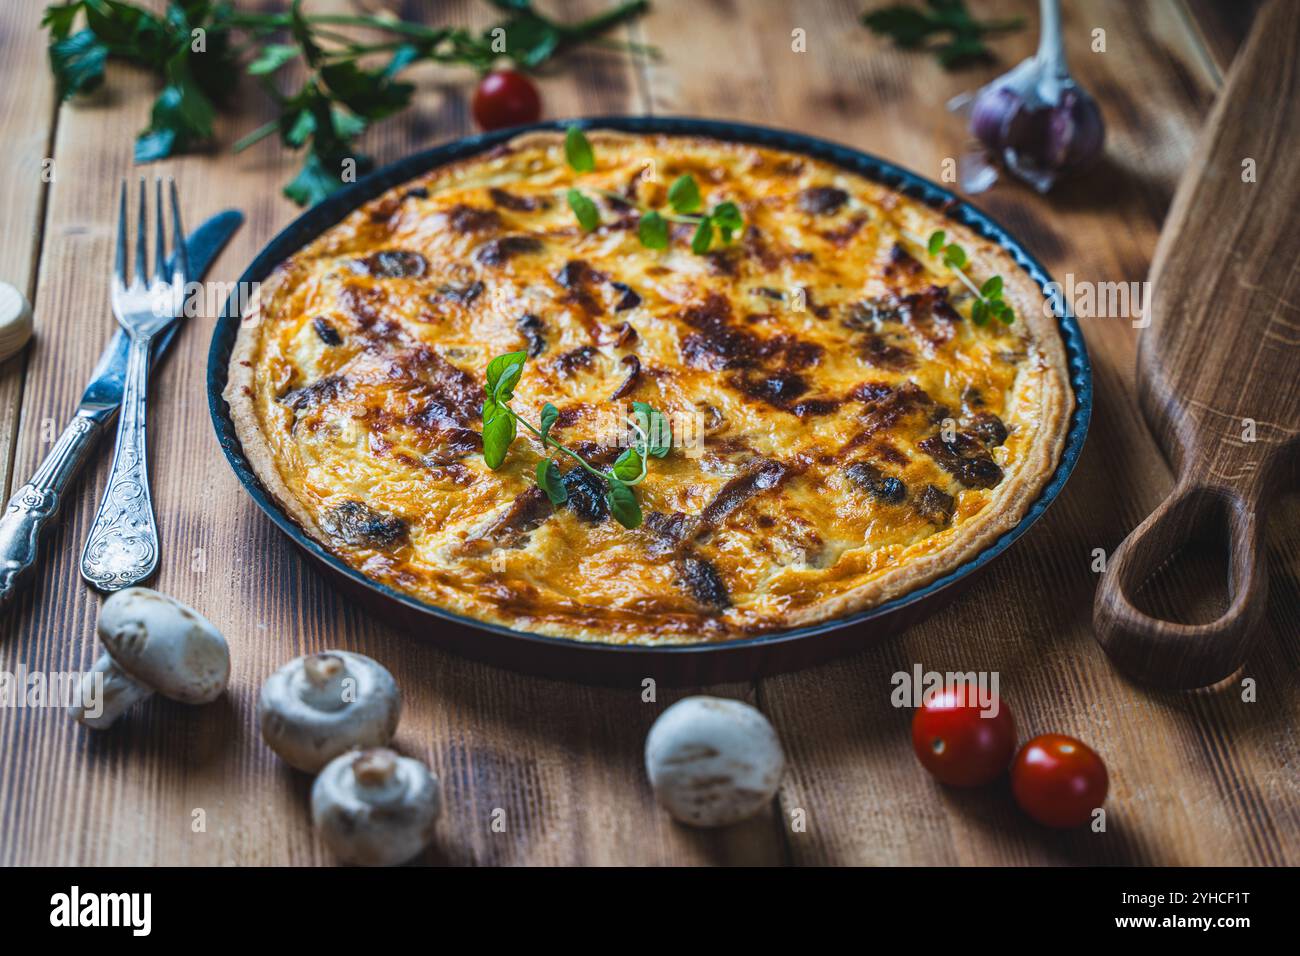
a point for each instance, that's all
(1219, 366)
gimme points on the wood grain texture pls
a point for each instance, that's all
(1196, 778)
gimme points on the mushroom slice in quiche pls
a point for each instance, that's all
(844, 432)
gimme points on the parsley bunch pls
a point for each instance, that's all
(652, 227)
(500, 427)
(912, 27)
(199, 47)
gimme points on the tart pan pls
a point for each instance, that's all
(695, 664)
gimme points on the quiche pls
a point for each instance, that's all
(843, 430)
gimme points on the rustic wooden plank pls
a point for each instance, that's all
(26, 124)
(1192, 780)
(1220, 28)
(561, 762)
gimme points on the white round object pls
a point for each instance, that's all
(713, 762)
(15, 321)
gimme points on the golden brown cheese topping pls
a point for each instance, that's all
(843, 431)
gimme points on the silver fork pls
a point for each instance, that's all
(122, 549)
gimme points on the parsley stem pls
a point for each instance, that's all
(548, 440)
(670, 216)
(966, 281)
(256, 136)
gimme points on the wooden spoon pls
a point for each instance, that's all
(1219, 367)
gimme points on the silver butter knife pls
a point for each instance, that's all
(35, 504)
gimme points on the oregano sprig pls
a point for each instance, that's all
(989, 302)
(684, 201)
(500, 428)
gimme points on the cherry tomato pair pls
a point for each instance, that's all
(1057, 780)
(506, 98)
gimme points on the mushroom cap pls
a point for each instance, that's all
(319, 706)
(713, 762)
(165, 645)
(375, 807)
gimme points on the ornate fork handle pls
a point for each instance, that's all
(122, 548)
(34, 504)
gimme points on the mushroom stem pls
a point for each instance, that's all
(378, 782)
(107, 692)
(323, 686)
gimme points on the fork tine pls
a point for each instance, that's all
(141, 274)
(119, 263)
(160, 239)
(182, 266)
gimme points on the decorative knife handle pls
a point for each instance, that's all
(33, 505)
(122, 548)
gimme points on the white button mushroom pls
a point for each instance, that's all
(15, 321)
(713, 762)
(152, 642)
(317, 707)
(375, 807)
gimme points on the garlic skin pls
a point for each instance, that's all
(15, 321)
(1036, 119)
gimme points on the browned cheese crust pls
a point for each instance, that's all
(845, 433)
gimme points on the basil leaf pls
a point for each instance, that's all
(935, 245)
(653, 231)
(954, 255)
(684, 194)
(726, 216)
(979, 312)
(577, 150)
(628, 466)
(503, 374)
(1006, 315)
(703, 237)
(498, 433)
(548, 479)
(622, 503)
(992, 289)
(659, 433)
(586, 211)
(549, 415)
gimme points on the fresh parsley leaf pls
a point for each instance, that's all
(272, 57)
(548, 479)
(577, 151)
(181, 117)
(959, 35)
(60, 20)
(313, 183)
(586, 211)
(703, 237)
(78, 63)
(652, 230)
(622, 503)
(684, 194)
(726, 216)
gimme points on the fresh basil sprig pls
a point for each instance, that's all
(500, 428)
(724, 220)
(988, 297)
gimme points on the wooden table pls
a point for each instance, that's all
(1196, 778)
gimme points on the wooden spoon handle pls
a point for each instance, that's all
(1167, 653)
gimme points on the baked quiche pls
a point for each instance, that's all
(861, 393)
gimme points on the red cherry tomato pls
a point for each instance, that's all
(958, 744)
(1058, 780)
(506, 98)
